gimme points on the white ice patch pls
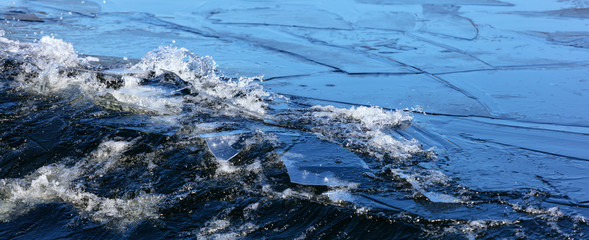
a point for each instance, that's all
(59, 183)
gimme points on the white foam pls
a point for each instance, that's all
(339, 195)
(368, 117)
(221, 229)
(149, 98)
(48, 63)
(421, 181)
(364, 129)
(200, 72)
(59, 183)
(472, 228)
(180, 61)
(225, 167)
(553, 213)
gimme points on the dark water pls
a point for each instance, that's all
(333, 144)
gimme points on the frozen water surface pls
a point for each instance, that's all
(443, 119)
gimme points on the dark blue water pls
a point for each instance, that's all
(348, 120)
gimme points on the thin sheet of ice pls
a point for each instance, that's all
(311, 161)
(550, 95)
(225, 147)
(390, 91)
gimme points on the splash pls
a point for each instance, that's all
(51, 66)
(59, 183)
(43, 63)
(366, 130)
(201, 73)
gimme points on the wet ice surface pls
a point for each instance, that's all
(478, 126)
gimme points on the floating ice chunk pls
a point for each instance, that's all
(316, 162)
(225, 147)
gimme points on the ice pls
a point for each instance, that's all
(311, 161)
(445, 20)
(400, 21)
(339, 59)
(573, 38)
(445, 2)
(501, 43)
(275, 16)
(20, 15)
(516, 155)
(553, 96)
(86, 8)
(389, 91)
(225, 147)
(401, 47)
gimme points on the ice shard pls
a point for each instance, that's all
(225, 146)
(312, 161)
